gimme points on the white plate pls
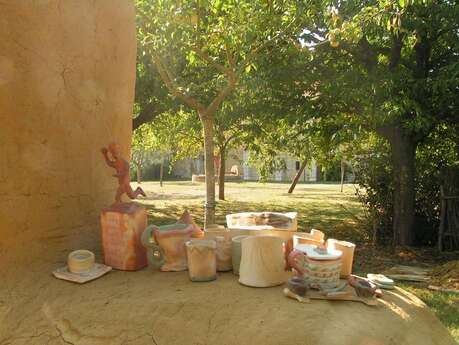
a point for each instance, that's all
(308, 249)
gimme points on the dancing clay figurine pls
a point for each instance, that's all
(122, 173)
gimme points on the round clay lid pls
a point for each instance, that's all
(309, 250)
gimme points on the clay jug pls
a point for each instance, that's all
(166, 246)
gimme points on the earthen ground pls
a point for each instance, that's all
(150, 307)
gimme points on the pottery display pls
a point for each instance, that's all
(347, 248)
(202, 261)
(319, 274)
(262, 261)
(166, 245)
(224, 262)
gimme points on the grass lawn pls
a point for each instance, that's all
(321, 206)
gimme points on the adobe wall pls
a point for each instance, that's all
(67, 75)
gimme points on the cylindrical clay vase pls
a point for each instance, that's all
(236, 252)
(348, 255)
(202, 261)
(223, 254)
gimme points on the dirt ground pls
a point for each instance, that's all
(149, 307)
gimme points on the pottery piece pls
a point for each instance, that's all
(224, 262)
(80, 261)
(202, 261)
(236, 252)
(307, 238)
(293, 295)
(347, 248)
(81, 268)
(262, 261)
(121, 229)
(319, 274)
(263, 221)
(297, 285)
(214, 230)
(166, 245)
(186, 218)
(363, 287)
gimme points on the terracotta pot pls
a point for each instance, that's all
(236, 252)
(348, 255)
(166, 245)
(202, 262)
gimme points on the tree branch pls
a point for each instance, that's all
(148, 113)
(173, 88)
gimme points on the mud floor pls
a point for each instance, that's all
(148, 307)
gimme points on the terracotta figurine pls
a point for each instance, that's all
(122, 173)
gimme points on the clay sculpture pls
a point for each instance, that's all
(122, 173)
(166, 245)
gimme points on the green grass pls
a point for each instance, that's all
(320, 206)
(445, 305)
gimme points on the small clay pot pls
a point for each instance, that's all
(298, 286)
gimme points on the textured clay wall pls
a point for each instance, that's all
(67, 74)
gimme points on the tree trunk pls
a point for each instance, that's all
(139, 174)
(161, 172)
(403, 150)
(208, 129)
(342, 175)
(221, 175)
(297, 177)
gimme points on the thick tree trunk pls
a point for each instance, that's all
(221, 175)
(161, 172)
(208, 128)
(297, 177)
(342, 174)
(139, 174)
(403, 150)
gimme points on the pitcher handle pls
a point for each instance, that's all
(155, 255)
(294, 264)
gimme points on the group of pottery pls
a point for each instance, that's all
(261, 247)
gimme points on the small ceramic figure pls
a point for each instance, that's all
(122, 173)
